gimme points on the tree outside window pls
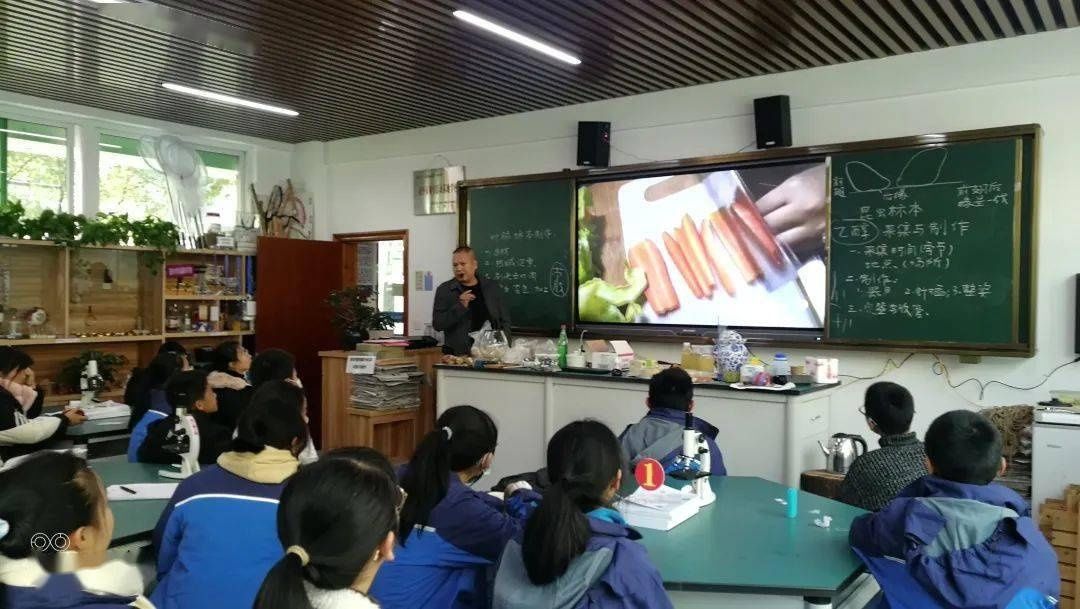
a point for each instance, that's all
(129, 185)
(34, 165)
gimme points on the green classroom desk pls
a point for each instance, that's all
(135, 520)
(742, 551)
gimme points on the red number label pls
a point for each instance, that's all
(649, 474)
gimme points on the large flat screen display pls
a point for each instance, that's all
(739, 247)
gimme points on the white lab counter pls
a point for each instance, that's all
(770, 435)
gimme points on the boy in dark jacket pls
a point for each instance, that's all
(658, 435)
(876, 477)
(191, 391)
(954, 539)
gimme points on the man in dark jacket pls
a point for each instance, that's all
(464, 303)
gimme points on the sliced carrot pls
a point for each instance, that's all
(659, 292)
(734, 243)
(679, 257)
(717, 257)
(695, 255)
(759, 230)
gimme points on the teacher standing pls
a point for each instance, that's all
(464, 303)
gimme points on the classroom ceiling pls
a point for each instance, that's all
(355, 67)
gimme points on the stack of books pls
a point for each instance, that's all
(662, 509)
(394, 386)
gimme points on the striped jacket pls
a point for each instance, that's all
(217, 537)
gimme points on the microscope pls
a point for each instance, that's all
(90, 383)
(695, 463)
(183, 440)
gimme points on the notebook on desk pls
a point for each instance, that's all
(661, 510)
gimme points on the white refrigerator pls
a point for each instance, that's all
(1055, 459)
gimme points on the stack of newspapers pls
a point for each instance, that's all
(394, 386)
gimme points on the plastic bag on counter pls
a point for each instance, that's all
(489, 345)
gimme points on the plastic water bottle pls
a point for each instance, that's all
(781, 369)
(563, 346)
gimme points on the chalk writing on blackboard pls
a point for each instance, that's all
(911, 235)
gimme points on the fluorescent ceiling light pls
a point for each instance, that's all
(35, 135)
(229, 99)
(113, 146)
(522, 39)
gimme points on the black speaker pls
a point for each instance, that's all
(593, 144)
(772, 121)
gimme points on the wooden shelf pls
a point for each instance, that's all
(206, 297)
(207, 334)
(209, 252)
(79, 340)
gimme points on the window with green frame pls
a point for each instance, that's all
(127, 184)
(34, 165)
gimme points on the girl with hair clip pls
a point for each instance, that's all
(55, 529)
(578, 553)
(450, 534)
(23, 429)
(337, 520)
(215, 539)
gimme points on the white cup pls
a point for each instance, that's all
(575, 360)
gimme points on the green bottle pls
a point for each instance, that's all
(563, 345)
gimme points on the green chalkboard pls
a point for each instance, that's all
(521, 235)
(928, 245)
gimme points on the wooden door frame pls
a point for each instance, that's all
(348, 270)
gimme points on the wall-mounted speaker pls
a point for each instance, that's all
(593, 144)
(772, 121)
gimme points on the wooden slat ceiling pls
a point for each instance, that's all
(353, 67)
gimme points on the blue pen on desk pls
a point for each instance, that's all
(792, 503)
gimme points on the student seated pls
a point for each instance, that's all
(954, 539)
(161, 368)
(332, 555)
(216, 538)
(273, 365)
(876, 477)
(231, 363)
(578, 552)
(55, 529)
(138, 394)
(189, 390)
(658, 435)
(450, 534)
(22, 428)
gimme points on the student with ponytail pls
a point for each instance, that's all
(578, 553)
(55, 530)
(450, 534)
(337, 520)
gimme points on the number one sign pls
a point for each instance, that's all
(649, 474)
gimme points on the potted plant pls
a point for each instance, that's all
(355, 315)
(110, 367)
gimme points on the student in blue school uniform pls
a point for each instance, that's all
(55, 530)
(189, 390)
(216, 538)
(138, 393)
(450, 534)
(658, 435)
(156, 403)
(577, 552)
(954, 539)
